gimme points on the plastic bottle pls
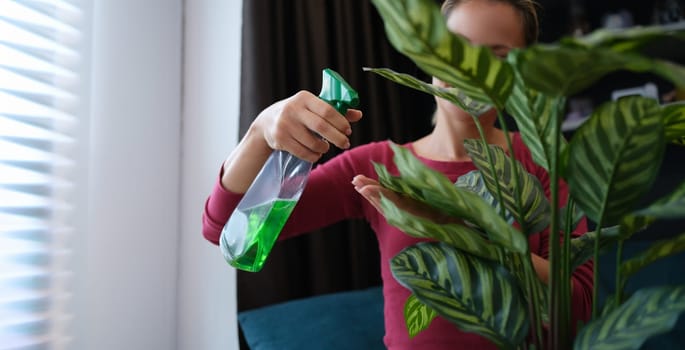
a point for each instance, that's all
(251, 231)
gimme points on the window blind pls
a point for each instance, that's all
(39, 83)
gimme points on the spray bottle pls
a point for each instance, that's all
(251, 231)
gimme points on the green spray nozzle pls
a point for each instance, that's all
(337, 92)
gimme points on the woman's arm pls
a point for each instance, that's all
(291, 125)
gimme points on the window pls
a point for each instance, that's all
(39, 113)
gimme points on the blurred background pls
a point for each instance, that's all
(115, 116)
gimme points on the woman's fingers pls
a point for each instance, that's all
(304, 125)
(353, 115)
(372, 190)
(329, 123)
(369, 189)
(361, 180)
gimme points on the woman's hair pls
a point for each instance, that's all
(526, 8)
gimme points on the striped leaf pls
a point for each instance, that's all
(460, 237)
(417, 29)
(563, 70)
(670, 71)
(614, 158)
(674, 122)
(473, 107)
(456, 235)
(626, 39)
(534, 207)
(583, 247)
(671, 206)
(474, 183)
(656, 251)
(633, 223)
(417, 315)
(535, 115)
(576, 216)
(428, 186)
(476, 295)
(648, 312)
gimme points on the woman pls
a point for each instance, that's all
(346, 187)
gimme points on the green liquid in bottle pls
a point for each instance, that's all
(262, 224)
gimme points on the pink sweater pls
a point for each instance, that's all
(330, 197)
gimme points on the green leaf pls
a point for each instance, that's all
(471, 106)
(674, 122)
(647, 313)
(582, 247)
(632, 223)
(671, 206)
(626, 39)
(535, 208)
(458, 236)
(474, 183)
(535, 115)
(421, 183)
(476, 295)
(417, 316)
(576, 216)
(670, 71)
(564, 70)
(656, 251)
(614, 158)
(417, 29)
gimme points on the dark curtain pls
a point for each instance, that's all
(286, 45)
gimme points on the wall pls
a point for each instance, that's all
(127, 298)
(207, 294)
(162, 115)
(127, 255)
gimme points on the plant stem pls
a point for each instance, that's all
(567, 286)
(558, 333)
(531, 276)
(534, 300)
(491, 164)
(514, 169)
(595, 269)
(619, 274)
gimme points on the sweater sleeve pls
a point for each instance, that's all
(218, 208)
(328, 197)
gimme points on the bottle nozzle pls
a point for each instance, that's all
(337, 92)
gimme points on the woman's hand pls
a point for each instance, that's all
(372, 190)
(303, 125)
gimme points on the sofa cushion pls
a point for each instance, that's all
(346, 320)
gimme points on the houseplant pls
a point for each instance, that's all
(479, 275)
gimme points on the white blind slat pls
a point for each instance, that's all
(12, 81)
(15, 199)
(11, 57)
(17, 11)
(12, 175)
(10, 151)
(40, 64)
(13, 34)
(14, 128)
(15, 222)
(11, 104)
